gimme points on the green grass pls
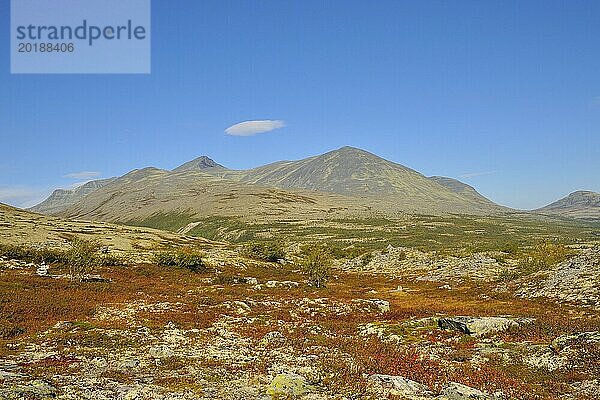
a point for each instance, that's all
(451, 235)
(171, 221)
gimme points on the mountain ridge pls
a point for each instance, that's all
(581, 204)
(60, 199)
(347, 178)
(347, 171)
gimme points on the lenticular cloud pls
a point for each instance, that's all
(251, 128)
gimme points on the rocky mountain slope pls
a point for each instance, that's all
(580, 204)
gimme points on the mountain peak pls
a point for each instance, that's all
(349, 150)
(199, 163)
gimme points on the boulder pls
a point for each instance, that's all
(161, 351)
(458, 391)
(480, 326)
(399, 386)
(454, 324)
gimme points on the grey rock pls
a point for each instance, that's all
(453, 324)
(458, 391)
(399, 386)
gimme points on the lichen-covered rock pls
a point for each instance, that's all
(564, 341)
(273, 338)
(161, 351)
(288, 384)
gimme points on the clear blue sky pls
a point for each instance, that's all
(504, 95)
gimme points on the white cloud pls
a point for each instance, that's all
(251, 128)
(475, 174)
(83, 175)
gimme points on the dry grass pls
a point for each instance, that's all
(33, 304)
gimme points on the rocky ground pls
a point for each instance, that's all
(576, 280)
(423, 327)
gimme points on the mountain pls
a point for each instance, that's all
(187, 196)
(354, 172)
(581, 204)
(198, 164)
(347, 171)
(340, 183)
(61, 199)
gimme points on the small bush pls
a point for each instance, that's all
(82, 257)
(265, 251)
(51, 256)
(182, 259)
(316, 265)
(507, 275)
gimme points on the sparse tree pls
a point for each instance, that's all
(82, 257)
(316, 265)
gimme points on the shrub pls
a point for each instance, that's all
(182, 259)
(50, 256)
(543, 256)
(266, 251)
(191, 261)
(316, 265)
(82, 257)
(165, 259)
(30, 254)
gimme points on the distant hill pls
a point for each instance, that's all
(348, 171)
(580, 204)
(61, 199)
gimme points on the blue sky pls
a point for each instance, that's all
(504, 95)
